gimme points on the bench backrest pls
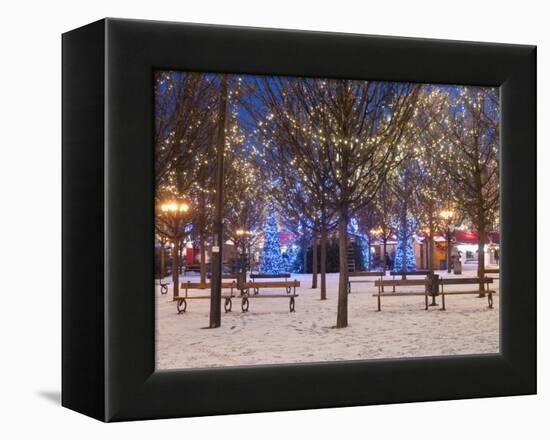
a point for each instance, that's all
(424, 282)
(366, 274)
(491, 271)
(190, 285)
(266, 284)
(457, 281)
(269, 275)
(415, 272)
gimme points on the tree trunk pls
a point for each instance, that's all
(244, 256)
(175, 268)
(481, 260)
(424, 251)
(431, 244)
(161, 260)
(181, 248)
(314, 262)
(304, 248)
(369, 258)
(385, 250)
(342, 313)
(202, 257)
(323, 261)
(448, 251)
(404, 242)
(217, 242)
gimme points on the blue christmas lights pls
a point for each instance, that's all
(404, 253)
(271, 260)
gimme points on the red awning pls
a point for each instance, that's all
(471, 237)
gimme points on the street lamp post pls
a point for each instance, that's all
(448, 216)
(242, 235)
(173, 214)
(162, 244)
(161, 238)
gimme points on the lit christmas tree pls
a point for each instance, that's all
(365, 251)
(362, 242)
(404, 253)
(271, 260)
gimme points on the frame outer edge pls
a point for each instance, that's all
(134, 390)
(518, 202)
(83, 342)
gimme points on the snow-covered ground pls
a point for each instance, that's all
(269, 334)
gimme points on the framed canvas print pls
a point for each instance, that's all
(262, 220)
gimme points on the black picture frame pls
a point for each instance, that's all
(108, 302)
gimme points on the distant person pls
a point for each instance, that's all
(388, 262)
(496, 256)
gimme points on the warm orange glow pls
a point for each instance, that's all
(447, 214)
(174, 207)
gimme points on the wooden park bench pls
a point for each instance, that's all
(405, 274)
(256, 285)
(266, 276)
(163, 286)
(465, 281)
(363, 275)
(492, 272)
(182, 300)
(425, 283)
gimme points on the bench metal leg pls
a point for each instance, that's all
(433, 287)
(256, 290)
(349, 287)
(443, 301)
(227, 305)
(292, 304)
(181, 302)
(379, 308)
(244, 305)
(288, 290)
(489, 297)
(164, 289)
(426, 301)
